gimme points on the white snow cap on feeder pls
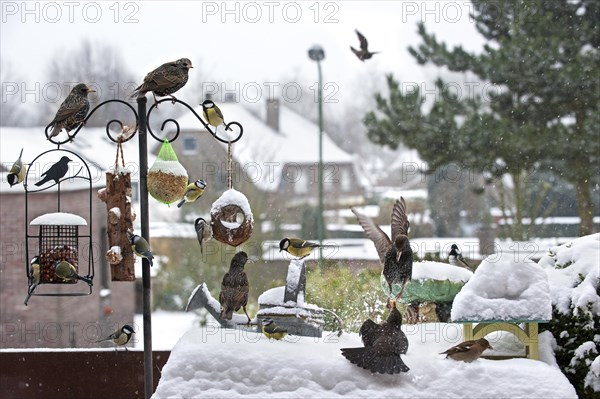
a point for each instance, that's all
(504, 287)
(430, 270)
(233, 197)
(58, 219)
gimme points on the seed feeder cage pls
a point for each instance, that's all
(58, 236)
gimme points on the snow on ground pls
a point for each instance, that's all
(214, 362)
(167, 328)
(504, 287)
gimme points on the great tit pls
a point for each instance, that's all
(203, 231)
(16, 174)
(140, 246)
(272, 330)
(395, 254)
(34, 276)
(120, 337)
(213, 114)
(297, 247)
(455, 257)
(56, 171)
(67, 271)
(193, 192)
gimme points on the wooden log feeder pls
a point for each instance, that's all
(117, 196)
(231, 218)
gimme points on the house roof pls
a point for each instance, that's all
(296, 142)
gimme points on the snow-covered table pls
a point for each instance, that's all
(505, 294)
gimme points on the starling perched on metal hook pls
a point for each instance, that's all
(234, 288)
(56, 171)
(364, 53)
(165, 80)
(72, 111)
(395, 254)
(383, 345)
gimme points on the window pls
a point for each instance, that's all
(190, 145)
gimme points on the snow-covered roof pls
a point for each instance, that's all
(296, 142)
(505, 286)
(91, 144)
(58, 219)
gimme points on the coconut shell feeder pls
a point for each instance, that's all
(231, 216)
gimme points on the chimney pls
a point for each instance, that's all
(273, 113)
(229, 98)
(208, 96)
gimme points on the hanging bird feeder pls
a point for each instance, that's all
(60, 236)
(167, 178)
(231, 215)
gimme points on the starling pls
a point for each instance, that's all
(396, 255)
(165, 80)
(203, 231)
(17, 172)
(468, 351)
(455, 257)
(297, 247)
(234, 288)
(72, 111)
(56, 171)
(272, 330)
(383, 345)
(364, 53)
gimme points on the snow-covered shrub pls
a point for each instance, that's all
(575, 289)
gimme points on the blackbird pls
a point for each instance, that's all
(383, 345)
(234, 288)
(395, 254)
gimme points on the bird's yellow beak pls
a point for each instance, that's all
(90, 90)
(398, 256)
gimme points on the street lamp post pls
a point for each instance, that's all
(316, 53)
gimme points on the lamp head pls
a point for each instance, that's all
(316, 53)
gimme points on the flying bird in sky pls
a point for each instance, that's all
(364, 53)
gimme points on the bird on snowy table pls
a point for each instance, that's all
(395, 254)
(234, 288)
(455, 257)
(383, 345)
(468, 351)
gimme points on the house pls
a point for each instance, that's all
(276, 159)
(59, 321)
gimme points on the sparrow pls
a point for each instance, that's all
(165, 80)
(364, 53)
(72, 111)
(234, 288)
(395, 254)
(67, 271)
(272, 330)
(213, 115)
(383, 345)
(193, 192)
(468, 351)
(121, 337)
(34, 276)
(203, 231)
(16, 174)
(455, 257)
(140, 246)
(56, 171)
(297, 247)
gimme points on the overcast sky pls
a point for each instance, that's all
(256, 45)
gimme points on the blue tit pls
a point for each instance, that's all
(34, 276)
(213, 114)
(121, 337)
(67, 271)
(16, 174)
(455, 257)
(140, 247)
(193, 192)
(272, 330)
(203, 231)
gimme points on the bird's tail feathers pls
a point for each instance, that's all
(368, 359)
(180, 204)
(226, 313)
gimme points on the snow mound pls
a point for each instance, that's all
(440, 271)
(233, 197)
(223, 363)
(504, 288)
(573, 271)
(58, 219)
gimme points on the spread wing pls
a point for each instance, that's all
(363, 40)
(380, 239)
(400, 222)
(369, 332)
